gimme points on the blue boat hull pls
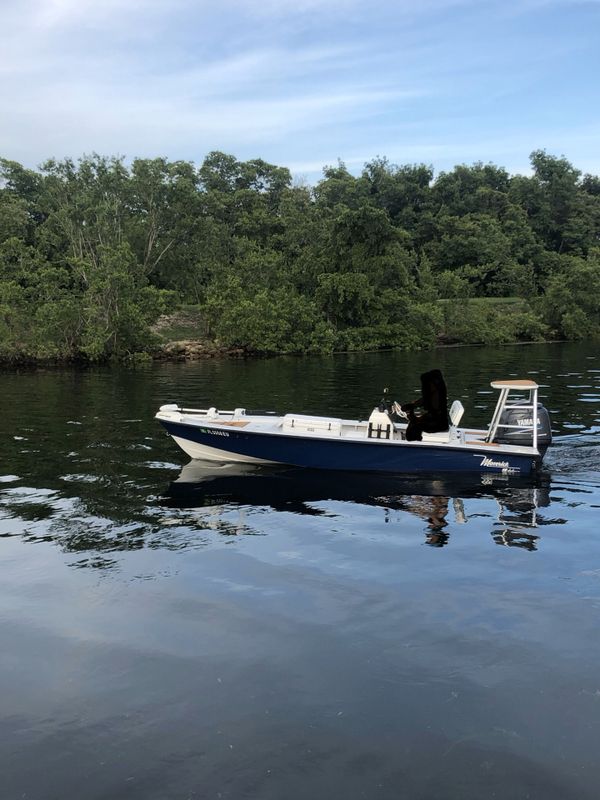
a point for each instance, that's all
(342, 454)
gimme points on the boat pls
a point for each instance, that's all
(514, 443)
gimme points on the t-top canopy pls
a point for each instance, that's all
(522, 384)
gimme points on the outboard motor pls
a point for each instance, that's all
(524, 437)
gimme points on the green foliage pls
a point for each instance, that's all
(571, 304)
(491, 322)
(270, 321)
(94, 252)
(118, 307)
(346, 298)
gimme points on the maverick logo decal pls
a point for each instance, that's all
(486, 461)
(489, 462)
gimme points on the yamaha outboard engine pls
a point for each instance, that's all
(524, 437)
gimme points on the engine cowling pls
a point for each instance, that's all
(524, 435)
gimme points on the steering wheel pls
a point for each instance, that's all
(397, 409)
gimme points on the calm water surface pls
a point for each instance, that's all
(208, 633)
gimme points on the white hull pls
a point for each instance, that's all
(201, 451)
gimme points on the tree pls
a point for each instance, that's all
(571, 304)
(468, 189)
(555, 180)
(93, 250)
(403, 192)
(338, 188)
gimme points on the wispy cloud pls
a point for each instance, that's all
(299, 82)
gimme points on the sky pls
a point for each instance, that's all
(302, 83)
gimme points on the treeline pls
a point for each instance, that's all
(93, 252)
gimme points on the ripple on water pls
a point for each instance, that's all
(80, 478)
(27, 493)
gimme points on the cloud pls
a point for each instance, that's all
(183, 110)
(48, 15)
(111, 97)
(298, 82)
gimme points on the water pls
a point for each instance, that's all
(285, 635)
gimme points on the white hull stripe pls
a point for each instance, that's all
(195, 450)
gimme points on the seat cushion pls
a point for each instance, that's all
(441, 436)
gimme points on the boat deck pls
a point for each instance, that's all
(330, 427)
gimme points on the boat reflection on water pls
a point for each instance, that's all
(439, 501)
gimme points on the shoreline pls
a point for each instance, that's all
(192, 351)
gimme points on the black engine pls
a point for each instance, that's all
(522, 417)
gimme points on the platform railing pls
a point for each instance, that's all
(502, 405)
